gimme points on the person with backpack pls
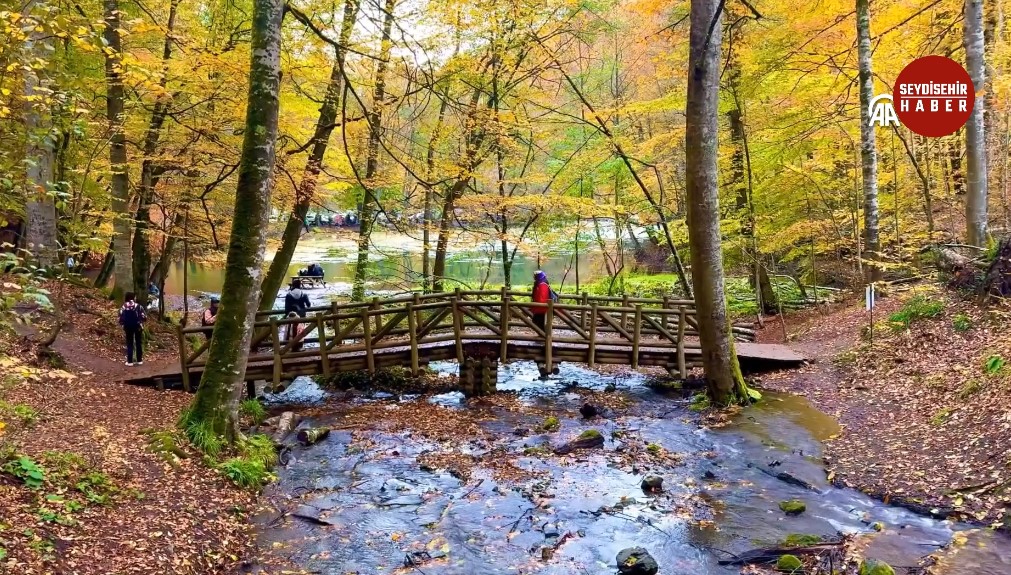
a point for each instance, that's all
(132, 318)
(210, 316)
(540, 296)
(296, 302)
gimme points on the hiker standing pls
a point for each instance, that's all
(132, 317)
(540, 296)
(296, 302)
(209, 316)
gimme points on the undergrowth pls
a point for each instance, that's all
(254, 410)
(916, 308)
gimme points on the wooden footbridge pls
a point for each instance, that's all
(478, 329)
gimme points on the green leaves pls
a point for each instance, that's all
(28, 471)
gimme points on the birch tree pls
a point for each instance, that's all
(215, 408)
(868, 146)
(975, 137)
(723, 374)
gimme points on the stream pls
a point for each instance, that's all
(369, 499)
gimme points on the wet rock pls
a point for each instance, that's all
(588, 410)
(636, 561)
(589, 439)
(551, 530)
(872, 567)
(521, 431)
(652, 484)
(709, 476)
(610, 388)
(788, 563)
(793, 506)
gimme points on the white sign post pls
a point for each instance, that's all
(869, 298)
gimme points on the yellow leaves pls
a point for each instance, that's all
(2, 426)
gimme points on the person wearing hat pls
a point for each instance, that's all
(210, 315)
(539, 296)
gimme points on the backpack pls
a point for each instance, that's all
(132, 316)
(553, 295)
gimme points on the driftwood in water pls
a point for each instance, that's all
(313, 435)
(767, 555)
(284, 426)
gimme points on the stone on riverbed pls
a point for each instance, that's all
(588, 410)
(872, 567)
(652, 484)
(589, 439)
(793, 506)
(636, 561)
(788, 563)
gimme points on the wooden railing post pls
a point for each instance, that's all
(275, 338)
(548, 322)
(458, 328)
(503, 320)
(591, 360)
(582, 312)
(183, 353)
(324, 351)
(682, 368)
(666, 319)
(636, 335)
(375, 307)
(624, 315)
(335, 310)
(370, 360)
(412, 332)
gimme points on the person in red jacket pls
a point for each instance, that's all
(541, 295)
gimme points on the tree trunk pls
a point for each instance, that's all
(868, 147)
(975, 136)
(723, 374)
(442, 244)
(307, 187)
(215, 408)
(150, 170)
(367, 213)
(40, 209)
(114, 102)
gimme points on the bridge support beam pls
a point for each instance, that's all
(478, 376)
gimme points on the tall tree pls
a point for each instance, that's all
(115, 100)
(41, 232)
(975, 136)
(868, 147)
(319, 142)
(367, 213)
(215, 408)
(723, 374)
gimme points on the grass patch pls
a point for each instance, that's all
(969, 389)
(254, 410)
(246, 473)
(201, 435)
(654, 449)
(550, 423)
(994, 365)
(259, 448)
(961, 322)
(916, 308)
(941, 417)
(700, 402)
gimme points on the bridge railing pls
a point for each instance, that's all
(598, 324)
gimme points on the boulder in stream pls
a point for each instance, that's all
(636, 561)
(793, 506)
(872, 567)
(588, 410)
(589, 439)
(652, 484)
(788, 563)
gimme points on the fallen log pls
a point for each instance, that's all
(312, 435)
(284, 426)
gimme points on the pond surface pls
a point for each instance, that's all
(367, 500)
(396, 264)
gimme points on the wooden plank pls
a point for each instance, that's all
(593, 335)
(637, 318)
(184, 365)
(275, 341)
(606, 316)
(682, 368)
(324, 350)
(458, 329)
(503, 319)
(370, 359)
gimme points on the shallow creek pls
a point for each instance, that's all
(362, 502)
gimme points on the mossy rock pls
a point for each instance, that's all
(793, 506)
(590, 434)
(801, 540)
(788, 563)
(551, 423)
(873, 567)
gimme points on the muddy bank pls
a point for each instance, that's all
(449, 487)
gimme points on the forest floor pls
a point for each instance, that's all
(925, 408)
(104, 502)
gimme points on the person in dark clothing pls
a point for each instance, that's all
(210, 316)
(296, 300)
(132, 318)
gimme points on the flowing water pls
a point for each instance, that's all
(362, 503)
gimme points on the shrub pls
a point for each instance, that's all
(918, 307)
(994, 364)
(28, 471)
(259, 448)
(700, 402)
